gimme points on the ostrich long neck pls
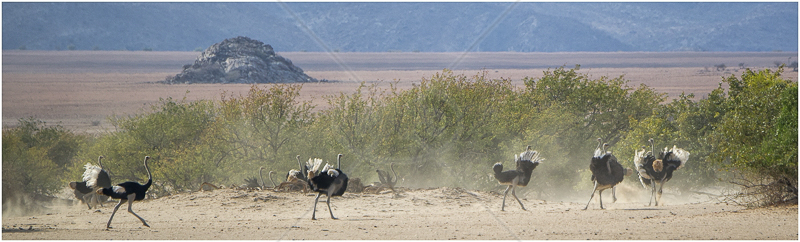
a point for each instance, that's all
(391, 166)
(339, 162)
(302, 171)
(599, 143)
(270, 178)
(261, 175)
(100, 161)
(149, 175)
(652, 148)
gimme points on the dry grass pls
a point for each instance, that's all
(79, 89)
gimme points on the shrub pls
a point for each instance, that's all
(757, 136)
(36, 157)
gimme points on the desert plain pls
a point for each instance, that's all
(81, 89)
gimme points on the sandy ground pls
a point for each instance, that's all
(80, 89)
(419, 214)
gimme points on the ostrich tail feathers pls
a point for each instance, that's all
(530, 155)
(314, 164)
(90, 174)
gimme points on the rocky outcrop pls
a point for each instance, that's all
(240, 60)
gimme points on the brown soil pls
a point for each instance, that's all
(420, 214)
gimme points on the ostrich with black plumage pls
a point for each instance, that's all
(655, 170)
(607, 172)
(329, 181)
(93, 177)
(519, 177)
(128, 192)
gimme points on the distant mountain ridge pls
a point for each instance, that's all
(412, 26)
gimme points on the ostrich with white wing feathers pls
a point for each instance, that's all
(519, 177)
(94, 177)
(655, 170)
(329, 181)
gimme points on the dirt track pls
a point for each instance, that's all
(421, 214)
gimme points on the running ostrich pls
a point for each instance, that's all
(83, 193)
(330, 181)
(606, 172)
(94, 177)
(656, 170)
(129, 192)
(519, 177)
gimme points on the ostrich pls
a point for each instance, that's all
(94, 177)
(655, 170)
(295, 178)
(298, 174)
(251, 183)
(519, 177)
(270, 179)
(386, 180)
(82, 192)
(638, 161)
(606, 172)
(330, 181)
(263, 186)
(129, 192)
(261, 176)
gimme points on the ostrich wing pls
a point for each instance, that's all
(598, 152)
(639, 160)
(90, 174)
(677, 155)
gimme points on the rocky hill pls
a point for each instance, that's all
(405, 26)
(240, 60)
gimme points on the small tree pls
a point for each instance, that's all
(757, 136)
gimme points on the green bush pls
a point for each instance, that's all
(36, 158)
(757, 136)
(569, 111)
(447, 130)
(173, 133)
